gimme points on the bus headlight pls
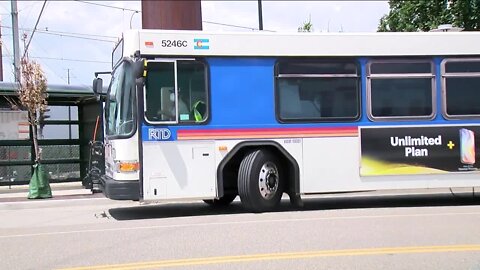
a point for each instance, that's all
(122, 166)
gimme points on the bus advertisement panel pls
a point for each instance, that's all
(419, 150)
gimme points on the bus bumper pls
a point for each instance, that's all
(120, 190)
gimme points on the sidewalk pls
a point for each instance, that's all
(60, 191)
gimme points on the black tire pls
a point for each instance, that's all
(260, 181)
(222, 202)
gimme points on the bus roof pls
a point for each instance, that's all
(198, 43)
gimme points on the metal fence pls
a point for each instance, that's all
(65, 132)
(61, 159)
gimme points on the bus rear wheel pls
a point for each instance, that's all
(260, 183)
(226, 200)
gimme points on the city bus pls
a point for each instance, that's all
(192, 115)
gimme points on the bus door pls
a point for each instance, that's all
(175, 100)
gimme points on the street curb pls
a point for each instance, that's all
(56, 201)
(55, 193)
(59, 190)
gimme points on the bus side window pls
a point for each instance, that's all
(317, 90)
(289, 96)
(461, 84)
(401, 89)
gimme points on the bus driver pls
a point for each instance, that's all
(167, 110)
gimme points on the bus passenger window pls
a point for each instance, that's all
(317, 90)
(461, 84)
(400, 89)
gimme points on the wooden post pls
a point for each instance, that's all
(172, 14)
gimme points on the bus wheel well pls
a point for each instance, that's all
(228, 169)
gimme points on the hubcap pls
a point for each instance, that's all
(268, 180)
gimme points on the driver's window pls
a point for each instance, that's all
(191, 90)
(160, 92)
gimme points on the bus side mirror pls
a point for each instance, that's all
(98, 86)
(139, 68)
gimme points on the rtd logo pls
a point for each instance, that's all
(159, 134)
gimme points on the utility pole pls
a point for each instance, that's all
(69, 75)
(16, 41)
(260, 17)
(1, 58)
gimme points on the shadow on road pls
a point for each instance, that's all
(157, 211)
(173, 210)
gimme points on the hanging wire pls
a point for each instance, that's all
(35, 28)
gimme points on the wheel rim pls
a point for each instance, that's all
(268, 180)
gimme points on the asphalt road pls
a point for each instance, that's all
(365, 232)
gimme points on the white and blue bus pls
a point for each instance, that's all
(194, 115)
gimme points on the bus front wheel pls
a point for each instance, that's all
(260, 183)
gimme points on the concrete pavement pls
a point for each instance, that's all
(59, 191)
(349, 232)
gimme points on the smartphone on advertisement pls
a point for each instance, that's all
(467, 146)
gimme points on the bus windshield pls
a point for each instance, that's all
(120, 99)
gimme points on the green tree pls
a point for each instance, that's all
(425, 15)
(466, 14)
(307, 25)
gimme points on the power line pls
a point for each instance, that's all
(46, 63)
(49, 68)
(73, 36)
(9, 55)
(60, 32)
(72, 60)
(34, 28)
(64, 34)
(63, 59)
(7, 10)
(79, 34)
(139, 11)
(25, 7)
(231, 25)
(107, 6)
(237, 26)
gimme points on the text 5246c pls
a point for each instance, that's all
(174, 43)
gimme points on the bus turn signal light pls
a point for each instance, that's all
(128, 166)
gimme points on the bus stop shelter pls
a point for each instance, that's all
(64, 134)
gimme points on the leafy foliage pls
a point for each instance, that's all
(466, 14)
(425, 15)
(307, 26)
(32, 94)
(33, 86)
